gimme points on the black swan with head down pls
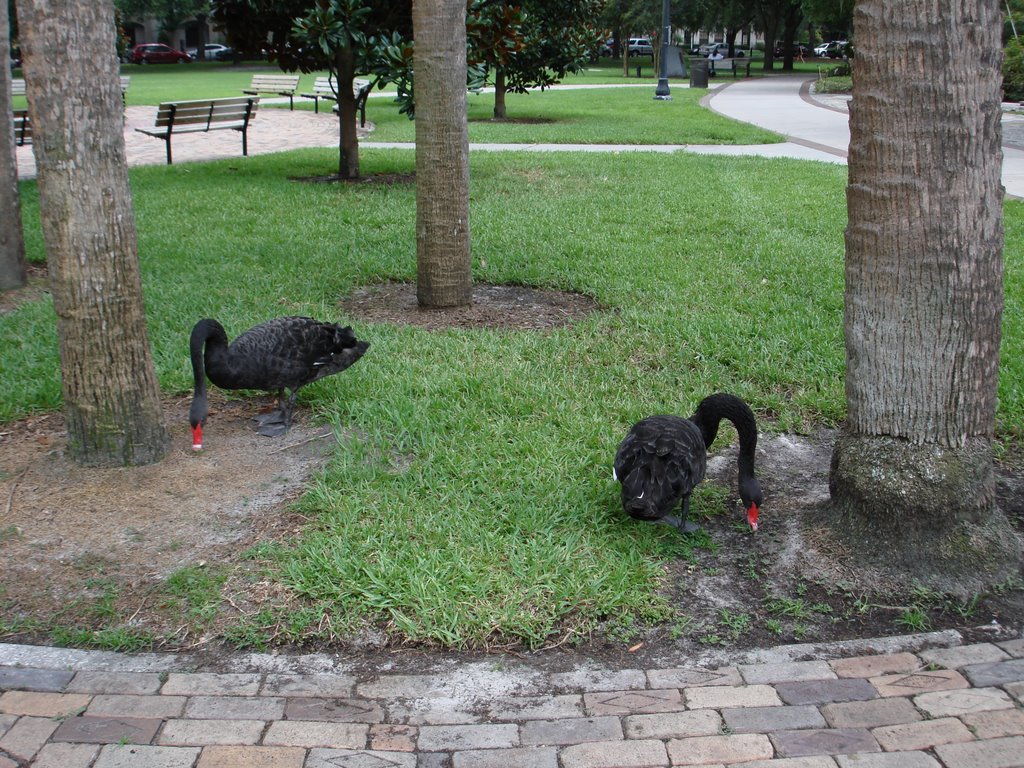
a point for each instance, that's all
(283, 353)
(663, 458)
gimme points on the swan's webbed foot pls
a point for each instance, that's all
(272, 429)
(272, 423)
(681, 524)
(278, 421)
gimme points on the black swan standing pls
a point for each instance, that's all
(663, 458)
(283, 353)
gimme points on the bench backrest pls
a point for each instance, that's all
(323, 86)
(18, 85)
(22, 128)
(230, 110)
(274, 83)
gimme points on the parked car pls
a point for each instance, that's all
(714, 49)
(158, 53)
(799, 51)
(837, 49)
(819, 50)
(640, 46)
(210, 51)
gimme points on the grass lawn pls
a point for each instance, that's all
(472, 500)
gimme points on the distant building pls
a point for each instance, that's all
(149, 29)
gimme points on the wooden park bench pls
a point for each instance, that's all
(22, 128)
(323, 88)
(232, 113)
(280, 85)
(18, 86)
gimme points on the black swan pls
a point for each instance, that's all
(283, 353)
(663, 458)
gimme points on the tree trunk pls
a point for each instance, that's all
(12, 242)
(443, 267)
(912, 474)
(348, 136)
(500, 111)
(111, 398)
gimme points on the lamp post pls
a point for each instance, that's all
(662, 93)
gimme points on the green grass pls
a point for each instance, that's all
(471, 502)
(602, 116)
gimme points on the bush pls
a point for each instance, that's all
(1013, 71)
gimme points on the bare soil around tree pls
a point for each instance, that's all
(73, 538)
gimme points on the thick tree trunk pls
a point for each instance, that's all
(443, 267)
(111, 398)
(12, 242)
(912, 474)
(348, 137)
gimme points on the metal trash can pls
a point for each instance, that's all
(698, 73)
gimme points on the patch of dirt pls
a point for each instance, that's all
(69, 536)
(69, 532)
(510, 307)
(385, 179)
(36, 288)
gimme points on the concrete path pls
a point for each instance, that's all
(923, 701)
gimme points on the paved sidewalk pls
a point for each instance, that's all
(921, 701)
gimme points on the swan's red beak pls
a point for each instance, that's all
(752, 516)
(197, 437)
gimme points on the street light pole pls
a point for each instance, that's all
(662, 93)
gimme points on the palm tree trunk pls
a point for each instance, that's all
(443, 266)
(111, 398)
(912, 474)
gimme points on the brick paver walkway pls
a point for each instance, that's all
(273, 130)
(915, 702)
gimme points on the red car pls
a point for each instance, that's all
(158, 53)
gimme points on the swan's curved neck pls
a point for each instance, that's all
(724, 406)
(203, 331)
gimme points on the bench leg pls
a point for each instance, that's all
(245, 143)
(291, 103)
(168, 141)
(316, 106)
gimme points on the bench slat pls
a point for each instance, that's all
(282, 85)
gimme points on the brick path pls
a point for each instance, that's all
(273, 130)
(917, 702)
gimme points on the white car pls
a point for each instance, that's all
(210, 49)
(640, 46)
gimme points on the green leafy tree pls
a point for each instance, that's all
(832, 18)
(779, 20)
(344, 37)
(531, 43)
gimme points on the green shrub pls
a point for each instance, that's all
(1013, 71)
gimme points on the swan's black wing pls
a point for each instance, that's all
(659, 462)
(287, 352)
